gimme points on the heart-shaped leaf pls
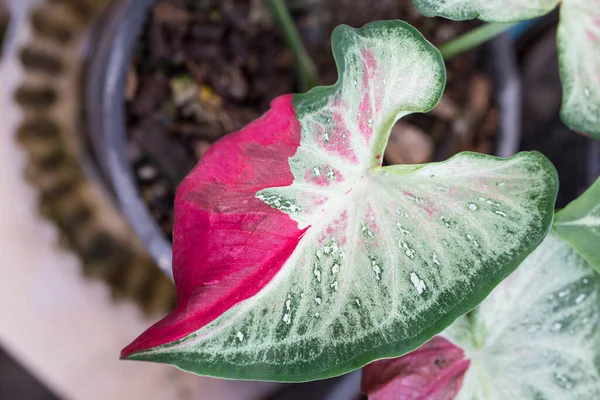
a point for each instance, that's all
(578, 224)
(486, 10)
(537, 336)
(434, 372)
(579, 58)
(578, 46)
(297, 256)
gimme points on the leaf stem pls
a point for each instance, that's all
(472, 39)
(307, 72)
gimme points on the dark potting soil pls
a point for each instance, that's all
(204, 68)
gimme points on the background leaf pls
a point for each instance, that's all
(578, 224)
(537, 335)
(486, 10)
(578, 44)
(314, 260)
(579, 59)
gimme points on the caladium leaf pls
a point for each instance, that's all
(578, 224)
(434, 372)
(486, 10)
(537, 336)
(579, 59)
(297, 256)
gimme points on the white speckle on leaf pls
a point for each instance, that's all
(401, 229)
(334, 285)
(240, 336)
(317, 171)
(501, 184)
(580, 298)
(326, 137)
(370, 123)
(501, 213)
(342, 254)
(471, 238)
(318, 300)
(335, 268)
(557, 326)
(287, 317)
(441, 189)
(563, 381)
(436, 261)
(334, 246)
(585, 281)
(376, 269)
(329, 174)
(317, 273)
(563, 293)
(472, 206)
(366, 231)
(414, 198)
(417, 282)
(407, 250)
(482, 199)
(357, 302)
(399, 212)
(319, 254)
(587, 92)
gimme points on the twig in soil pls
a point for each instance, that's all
(472, 39)
(307, 72)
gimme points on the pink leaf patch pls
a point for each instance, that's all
(240, 241)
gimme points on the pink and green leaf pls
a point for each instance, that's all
(486, 10)
(579, 59)
(297, 256)
(578, 224)
(537, 336)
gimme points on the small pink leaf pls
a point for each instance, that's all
(432, 372)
